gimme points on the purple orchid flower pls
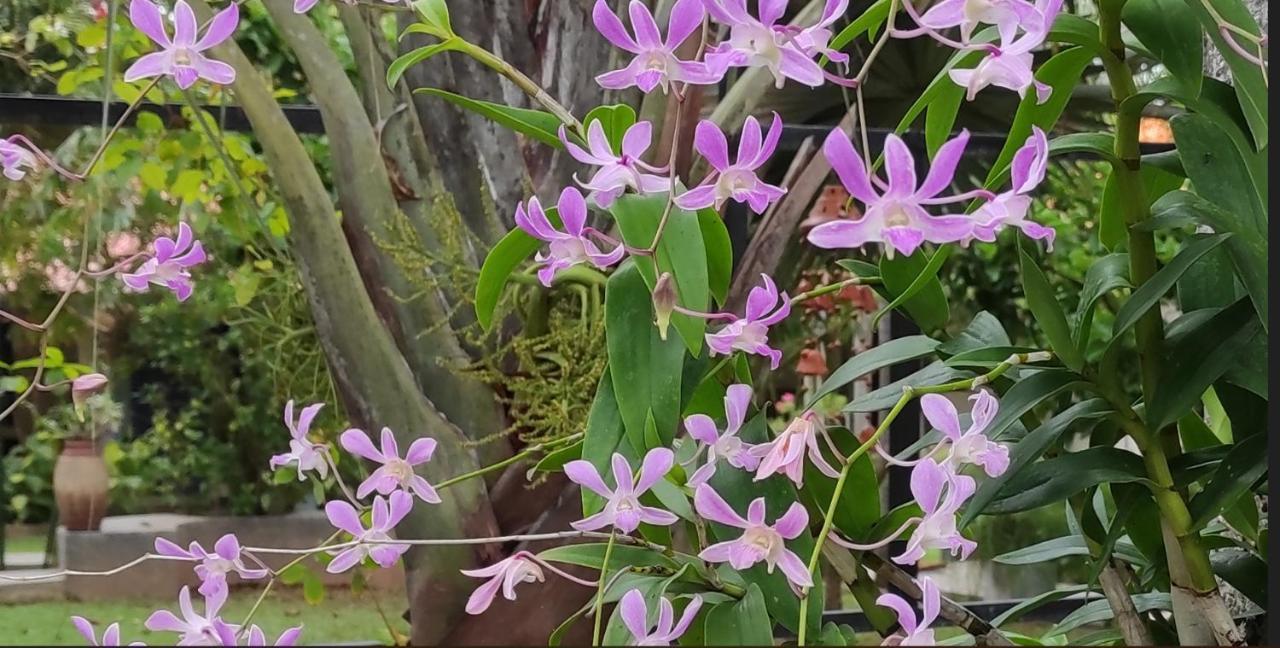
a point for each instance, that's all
(214, 567)
(759, 542)
(726, 445)
(765, 307)
(897, 217)
(15, 159)
(259, 638)
(915, 632)
(110, 636)
(168, 265)
(570, 247)
(617, 172)
(937, 530)
(738, 179)
(196, 629)
(1009, 209)
(635, 616)
(503, 575)
(303, 452)
(385, 517)
(1006, 15)
(623, 509)
(787, 52)
(785, 454)
(395, 472)
(971, 446)
(1007, 66)
(303, 6)
(655, 63)
(182, 57)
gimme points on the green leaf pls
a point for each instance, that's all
(719, 253)
(1248, 79)
(926, 278)
(680, 251)
(983, 331)
(1061, 73)
(1244, 571)
(187, 184)
(542, 126)
(556, 459)
(1031, 448)
(1056, 479)
(435, 15)
(883, 398)
(603, 437)
(741, 623)
(1170, 31)
(1098, 611)
(1100, 145)
(1054, 549)
(615, 120)
(397, 68)
(503, 259)
(312, 589)
(650, 367)
(1244, 465)
(1148, 295)
(928, 305)
(1047, 309)
(591, 556)
(1195, 360)
(1106, 274)
(940, 116)
(859, 507)
(1038, 601)
(1076, 30)
(890, 353)
(1231, 204)
(1111, 225)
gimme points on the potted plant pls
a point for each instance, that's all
(80, 480)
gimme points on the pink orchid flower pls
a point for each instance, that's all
(723, 445)
(15, 159)
(395, 472)
(1009, 209)
(971, 446)
(915, 632)
(622, 508)
(937, 530)
(787, 52)
(168, 265)
(1007, 66)
(785, 454)
(374, 542)
(655, 63)
(259, 638)
(182, 57)
(896, 217)
(196, 629)
(617, 173)
(570, 247)
(214, 567)
(1006, 15)
(110, 636)
(765, 307)
(303, 452)
(503, 575)
(635, 616)
(737, 179)
(759, 542)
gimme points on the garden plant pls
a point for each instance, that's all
(700, 523)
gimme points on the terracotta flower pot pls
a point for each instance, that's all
(80, 485)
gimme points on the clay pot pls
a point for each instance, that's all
(80, 485)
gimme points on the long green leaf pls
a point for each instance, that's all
(397, 68)
(1244, 465)
(1171, 32)
(1047, 550)
(542, 126)
(604, 436)
(1106, 274)
(1148, 294)
(1046, 307)
(1199, 358)
(1098, 611)
(921, 293)
(878, 357)
(719, 253)
(1054, 480)
(927, 278)
(741, 623)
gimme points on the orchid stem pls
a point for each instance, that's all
(599, 607)
(509, 460)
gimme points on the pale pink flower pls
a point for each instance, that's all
(787, 52)
(635, 616)
(110, 636)
(723, 445)
(206, 629)
(750, 333)
(655, 63)
(971, 446)
(759, 542)
(617, 173)
(376, 541)
(622, 508)
(914, 632)
(168, 266)
(937, 530)
(182, 56)
(734, 179)
(785, 454)
(1009, 209)
(569, 247)
(214, 566)
(15, 159)
(503, 575)
(259, 638)
(395, 472)
(304, 453)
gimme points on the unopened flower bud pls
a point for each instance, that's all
(664, 302)
(84, 387)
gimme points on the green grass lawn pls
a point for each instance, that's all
(340, 617)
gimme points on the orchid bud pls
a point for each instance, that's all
(84, 387)
(664, 303)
